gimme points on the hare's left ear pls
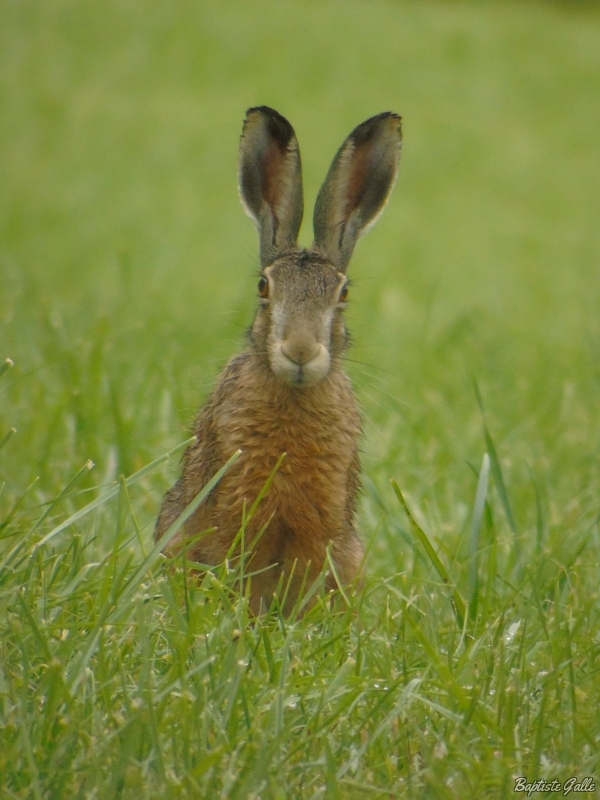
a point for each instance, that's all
(357, 186)
(270, 177)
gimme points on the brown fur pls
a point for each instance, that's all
(265, 409)
(312, 498)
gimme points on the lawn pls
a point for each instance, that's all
(471, 657)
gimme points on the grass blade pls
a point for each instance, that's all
(113, 492)
(478, 511)
(8, 363)
(7, 437)
(17, 503)
(456, 600)
(495, 464)
(133, 582)
(499, 479)
(117, 601)
(86, 468)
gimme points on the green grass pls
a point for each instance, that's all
(127, 274)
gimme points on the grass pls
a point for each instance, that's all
(472, 655)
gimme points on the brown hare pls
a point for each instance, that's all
(288, 392)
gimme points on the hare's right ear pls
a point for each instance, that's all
(357, 186)
(270, 177)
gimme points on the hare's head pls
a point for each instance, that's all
(299, 325)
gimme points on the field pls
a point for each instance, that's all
(471, 657)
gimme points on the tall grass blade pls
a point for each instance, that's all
(27, 747)
(336, 577)
(499, 479)
(265, 487)
(534, 764)
(86, 468)
(495, 464)
(331, 783)
(539, 516)
(115, 605)
(17, 504)
(133, 582)
(113, 492)
(456, 600)
(240, 537)
(478, 511)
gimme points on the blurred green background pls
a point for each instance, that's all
(127, 278)
(128, 267)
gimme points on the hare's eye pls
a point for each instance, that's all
(344, 293)
(263, 287)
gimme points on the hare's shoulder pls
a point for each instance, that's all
(204, 457)
(228, 386)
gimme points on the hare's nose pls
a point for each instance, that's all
(301, 350)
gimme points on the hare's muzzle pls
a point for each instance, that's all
(300, 349)
(299, 360)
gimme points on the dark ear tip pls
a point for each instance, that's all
(276, 124)
(266, 111)
(394, 118)
(387, 121)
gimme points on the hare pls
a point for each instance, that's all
(288, 392)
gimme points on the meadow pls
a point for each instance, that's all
(127, 271)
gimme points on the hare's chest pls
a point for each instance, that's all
(315, 443)
(309, 492)
(309, 489)
(306, 437)
(318, 432)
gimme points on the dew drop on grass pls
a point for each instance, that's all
(512, 632)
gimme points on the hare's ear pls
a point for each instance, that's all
(270, 176)
(357, 186)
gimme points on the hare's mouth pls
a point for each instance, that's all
(299, 370)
